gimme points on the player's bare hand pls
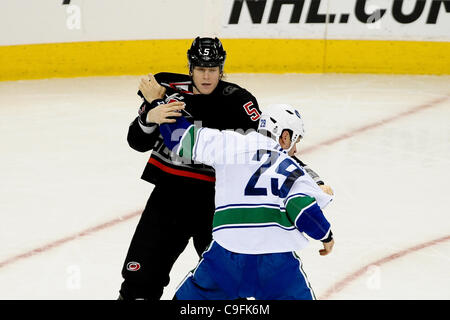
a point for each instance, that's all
(151, 89)
(165, 112)
(327, 247)
(326, 189)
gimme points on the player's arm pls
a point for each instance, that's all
(142, 134)
(145, 128)
(317, 179)
(156, 111)
(309, 218)
(204, 145)
(153, 111)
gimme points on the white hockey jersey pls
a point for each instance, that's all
(264, 199)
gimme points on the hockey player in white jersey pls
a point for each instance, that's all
(265, 204)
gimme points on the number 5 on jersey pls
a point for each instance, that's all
(252, 112)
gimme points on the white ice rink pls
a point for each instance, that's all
(71, 193)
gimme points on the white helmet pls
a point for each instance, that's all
(279, 117)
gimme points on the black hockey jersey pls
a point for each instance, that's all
(228, 107)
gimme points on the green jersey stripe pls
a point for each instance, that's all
(252, 216)
(296, 205)
(187, 142)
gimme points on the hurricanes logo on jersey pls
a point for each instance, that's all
(133, 266)
(174, 98)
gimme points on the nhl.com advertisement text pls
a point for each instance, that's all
(343, 19)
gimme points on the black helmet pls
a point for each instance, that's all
(206, 52)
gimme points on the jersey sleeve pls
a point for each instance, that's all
(204, 145)
(141, 135)
(307, 216)
(304, 205)
(140, 140)
(251, 109)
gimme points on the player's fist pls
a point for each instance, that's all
(326, 189)
(151, 89)
(327, 247)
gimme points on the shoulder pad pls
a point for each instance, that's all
(229, 88)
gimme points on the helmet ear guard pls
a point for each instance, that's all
(206, 52)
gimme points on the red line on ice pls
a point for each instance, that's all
(340, 285)
(62, 241)
(376, 124)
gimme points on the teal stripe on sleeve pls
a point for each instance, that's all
(187, 142)
(296, 204)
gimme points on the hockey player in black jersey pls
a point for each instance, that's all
(181, 204)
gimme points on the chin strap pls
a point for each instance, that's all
(294, 138)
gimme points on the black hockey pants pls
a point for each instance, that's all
(172, 216)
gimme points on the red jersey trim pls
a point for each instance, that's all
(182, 173)
(174, 85)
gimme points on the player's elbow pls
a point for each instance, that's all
(137, 140)
(137, 146)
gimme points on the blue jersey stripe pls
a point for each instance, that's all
(254, 226)
(240, 205)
